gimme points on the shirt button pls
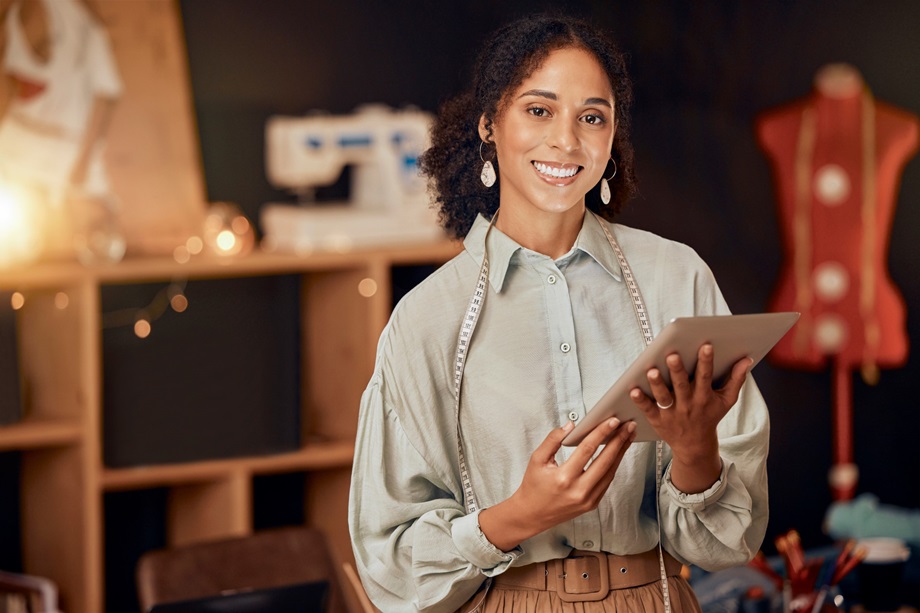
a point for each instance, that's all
(588, 544)
(573, 415)
(565, 347)
(551, 279)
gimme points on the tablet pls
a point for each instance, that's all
(733, 337)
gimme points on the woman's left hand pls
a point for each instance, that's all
(687, 414)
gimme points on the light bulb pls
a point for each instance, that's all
(20, 230)
(226, 230)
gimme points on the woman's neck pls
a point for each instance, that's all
(551, 234)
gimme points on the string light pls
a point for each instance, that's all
(227, 232)
(141, 319)
(142, 327)
(17, 301)
(367, 287)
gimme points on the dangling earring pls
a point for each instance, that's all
(487, 176)
(605, 187)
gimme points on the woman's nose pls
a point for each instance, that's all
(563, 136)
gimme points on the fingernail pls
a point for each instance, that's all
(614, 422)
(707, 349)
(631, 427)
(568, 426)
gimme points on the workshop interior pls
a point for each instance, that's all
(185, 337)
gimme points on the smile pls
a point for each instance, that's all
(564, 171)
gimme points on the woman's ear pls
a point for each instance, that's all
(484, 132)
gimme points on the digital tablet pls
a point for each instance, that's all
(733, 337)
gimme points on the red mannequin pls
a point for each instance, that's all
(837, 157)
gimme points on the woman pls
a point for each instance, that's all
(511, 520)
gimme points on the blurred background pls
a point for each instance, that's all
(702, 73)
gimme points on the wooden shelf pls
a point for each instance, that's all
(316, 456)
(146, 269)
(39, 434)
(60, 345)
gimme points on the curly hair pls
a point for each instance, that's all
(512, 54)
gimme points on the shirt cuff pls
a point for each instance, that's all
(475, 547)
(700, 501)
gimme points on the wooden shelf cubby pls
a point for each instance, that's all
(63, 476)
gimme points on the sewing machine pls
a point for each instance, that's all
(388, 199)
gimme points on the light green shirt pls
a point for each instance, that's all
(552, 338)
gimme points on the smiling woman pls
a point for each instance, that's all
(553, 136)
(462, 496)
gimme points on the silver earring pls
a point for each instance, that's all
(605, 187)
(487, 176)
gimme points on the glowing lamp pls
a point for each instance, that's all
(227, 232)
(20, 230)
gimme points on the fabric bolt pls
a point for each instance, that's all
(552, 337)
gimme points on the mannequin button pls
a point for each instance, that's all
(573, 415)
(565, 347)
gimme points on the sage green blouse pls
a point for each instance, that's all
(553, 336)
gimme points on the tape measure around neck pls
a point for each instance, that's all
(474, 309)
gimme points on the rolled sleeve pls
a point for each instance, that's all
(475, 547)
(699, 501)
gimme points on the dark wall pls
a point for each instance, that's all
(702, 72)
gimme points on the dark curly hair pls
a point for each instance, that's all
(512, 54)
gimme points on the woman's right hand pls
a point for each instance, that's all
(550, 493)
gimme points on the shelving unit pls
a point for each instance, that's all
(59, 438)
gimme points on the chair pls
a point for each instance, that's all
(267, 559)
(37, 593)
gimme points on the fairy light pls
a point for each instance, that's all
(226, 242)
(226, 230)
(367, 287)
(194, 244)
(61, 300)
(142, 319)
(181, 254)
(142, 327)
(177, 300)
(17, 301)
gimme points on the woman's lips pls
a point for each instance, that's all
(559, 175)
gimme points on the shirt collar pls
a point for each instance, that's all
(591, 240)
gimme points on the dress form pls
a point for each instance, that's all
(837, 157)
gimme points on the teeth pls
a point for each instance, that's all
(555, 172)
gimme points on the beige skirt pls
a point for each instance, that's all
(634, 585)
(644, 598)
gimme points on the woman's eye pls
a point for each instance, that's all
(537, 111)
(594, 119)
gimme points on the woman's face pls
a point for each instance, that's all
(554, 133)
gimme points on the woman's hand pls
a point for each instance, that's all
(686, 416)
(550, 493)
